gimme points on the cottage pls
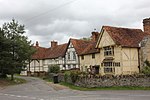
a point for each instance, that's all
(37, 60)
(55, 55)
(119, 50)
(47, 56)
(74, 49)
(90, 56)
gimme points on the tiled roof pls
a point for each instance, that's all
(90, 49)
(83, 46)
(125, 36)
(40, 52)
(49, 53)
(55, 52)
(79, 45)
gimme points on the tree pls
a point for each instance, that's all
(16, 49)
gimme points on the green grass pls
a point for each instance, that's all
(7, 81)
(103, 88)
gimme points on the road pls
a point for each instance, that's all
(37, 89)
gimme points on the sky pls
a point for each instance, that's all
(60, 20)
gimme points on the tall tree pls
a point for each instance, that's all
(17, 50)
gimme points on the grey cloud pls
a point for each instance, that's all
(45, 21)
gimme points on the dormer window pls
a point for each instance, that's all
(108, 51)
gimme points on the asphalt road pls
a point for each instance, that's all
(37, 89)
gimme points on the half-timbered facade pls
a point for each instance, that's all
(119, 50)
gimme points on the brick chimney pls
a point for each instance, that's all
(53, 44)
(95, 36)
(146, 25)
(37, 44)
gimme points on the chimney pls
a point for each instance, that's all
(146, 25)
(37, 44)
(94, 35)
(53, 44)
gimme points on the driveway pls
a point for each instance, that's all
(37, 89)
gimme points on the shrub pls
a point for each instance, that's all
(53, 69)
(146, 69)
(74, 75)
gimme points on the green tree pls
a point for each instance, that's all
(16, 49)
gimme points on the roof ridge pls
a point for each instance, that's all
(121, 27)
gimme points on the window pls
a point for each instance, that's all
(74, 65)
(108, 70)
(74, 55)
(69, 66)
(108, 51)
(109, 66)
(68, 55)
(82, 57)
(93, 55)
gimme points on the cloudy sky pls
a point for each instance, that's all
(59, 20)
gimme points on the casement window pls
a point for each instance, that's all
(82, 57)
(109, 66)
(93, 55)
(108, 51)
(74, 55)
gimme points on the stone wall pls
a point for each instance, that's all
(144, 51)
(141, 81)
(108, 81)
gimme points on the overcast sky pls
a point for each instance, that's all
(59, 20)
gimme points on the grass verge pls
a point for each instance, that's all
(104, 88)
(7, 81)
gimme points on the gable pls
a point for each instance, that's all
(70, 47)
(105, 40)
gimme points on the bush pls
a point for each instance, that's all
(146, 69)
(74, 75)
(53, 69)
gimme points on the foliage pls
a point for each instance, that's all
(15, 48)
(74, 75)
(53, 69)
(7, 81)
(86, 39)
(146, 69)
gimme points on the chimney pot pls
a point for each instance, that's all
(94, 35)
(146, 25)
(53, 44)
(37, 44)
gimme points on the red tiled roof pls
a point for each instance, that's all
(83, 46)
(55, 52)
(125, 36)
(40, 52)
(79, 45)
(90, 49)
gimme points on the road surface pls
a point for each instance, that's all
(37, 89)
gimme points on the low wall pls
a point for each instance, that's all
(141, 81)
(108, 81)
